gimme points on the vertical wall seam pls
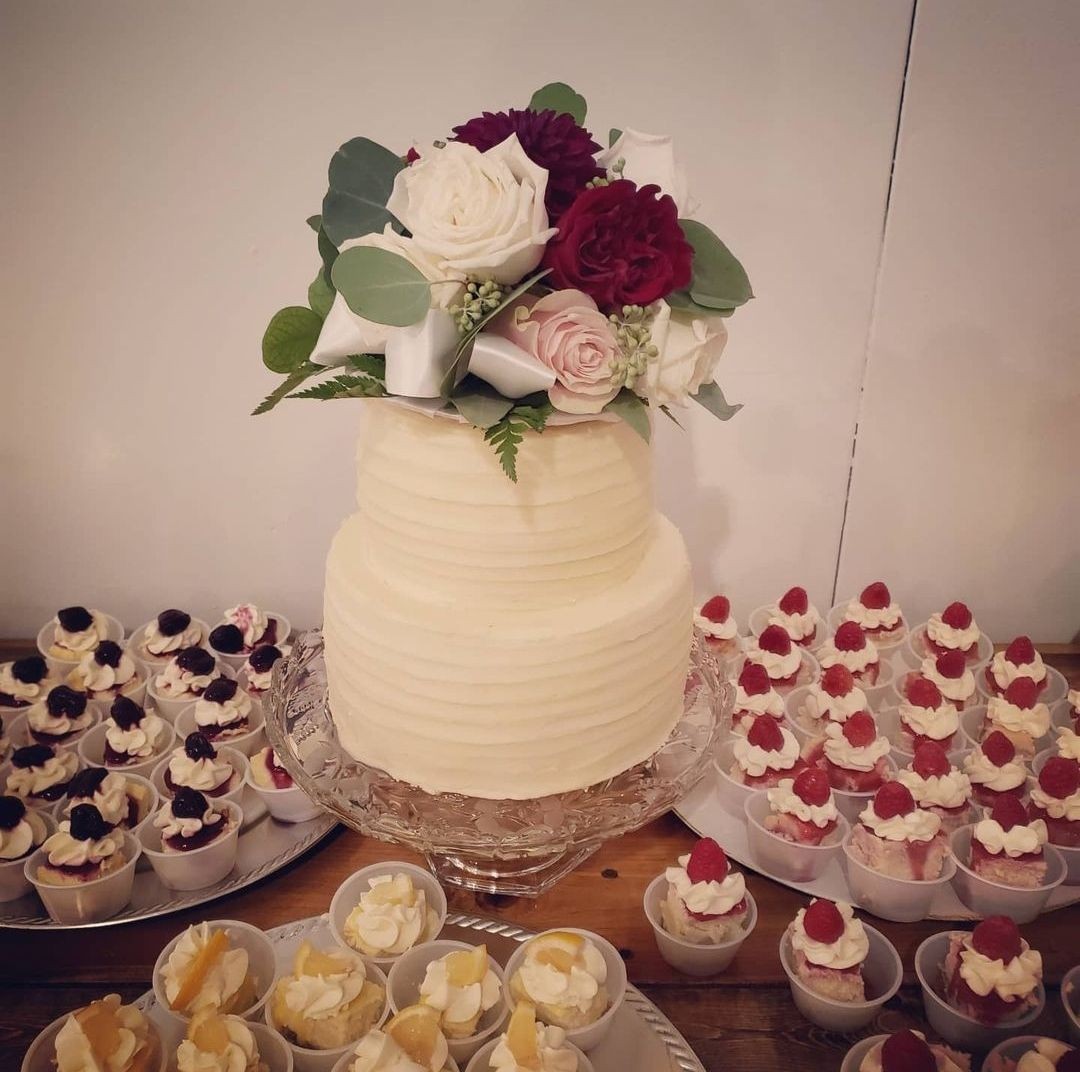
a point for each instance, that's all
(873, 303)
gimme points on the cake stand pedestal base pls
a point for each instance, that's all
(527, 877)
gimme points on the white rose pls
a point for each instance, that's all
(344, 333)
(690, 349)
(649, 158)
(473, 213)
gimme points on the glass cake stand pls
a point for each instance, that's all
(520, 847)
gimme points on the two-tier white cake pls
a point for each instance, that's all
(504, 640)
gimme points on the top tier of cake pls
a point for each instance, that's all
(441, 517)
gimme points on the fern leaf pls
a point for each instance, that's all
(287, 385)
(506, 437)
(344, 387)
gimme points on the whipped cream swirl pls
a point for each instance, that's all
(378, 1052)
(1018, 841)
(27, 692)
(982, 771)
(83, 639)
(240, 1055)
(63, 850)
(710, 898)
(172, 825)
(157, 643)
(92, 676)
(840, 752)
(32, 781)
(251, 622)
(41, 721)
(173, 681)
(724, 630)
(458, 1004)
(204, 774)
(916, 825)
(29, 832)
(1034, 721)
(391, 917)
(76, 1053)
(1068, 744)
(947, 636)
(759, 703)
(1005, 672)
(873, 617)
(1056, 807)
(140, 741)
(233, 711)
(546, 985)
(756, 761)
(849, 949)
(1073, 700)
(957, 689)
(110, 798)
(856, 661)
(936, 723)
(951, 790)
(784, 800)
(221, 980)
(259, 681)
(1012, 980)
(818, 704)
(318, 997)
(797, 625)
(1044, 1057)
(555, 1054)
(778, 667)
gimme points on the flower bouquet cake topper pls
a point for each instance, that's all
(512, 272)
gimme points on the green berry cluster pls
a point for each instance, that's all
(479, 299)
(633, 333)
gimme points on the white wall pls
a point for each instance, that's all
(161, 158)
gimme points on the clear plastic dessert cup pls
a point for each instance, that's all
(199, 868)
(974, 726)
(809, 671)
(60, 809)
(273, 1049)
(759, 621)
(987, 898)
(481, 1061)
(959, 1030)
(787, 860)
(346, 1063)
(13, 881)
(585, 1038)
(1010, 1050)
(289, 805)
(887, 646)
(684, 956)
(404, 990)
(882, 972)
(154, 663)
(61, 666)
(247, 743)
(87, 902)
(41, 1056)
(902, 900)
(731, 794)
(237, 761)
(853, 1059)
(1057, 688)
(21, 735)
(169, 707)
(262, 968)
(901, 751)
(1071, 859)
(917, 647)
(347, 897)
(1070, 1002)
(851, 805)
(235, 660)
(308, 1059)
(91, 750)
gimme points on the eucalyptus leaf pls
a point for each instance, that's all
(614, 134)
(320, 295)
(712, 398)
(381, 286)
(327, 250)
(361, 178)
(289, 338)
(628, 407)
(559, 98)
(315, 222)
(480, 404)
(719, 281)
(683, 302)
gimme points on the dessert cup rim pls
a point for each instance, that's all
(132, 847)
(873, 933)
(1072, 976)
(236, 812)
(488, 1048)
(842, 826)
(650, 895)
(948, 869)
(1051, 851)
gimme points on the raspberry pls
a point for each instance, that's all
(221, 690)
(930, 760)
(717, 609)
(188, 804)
(87, 823)
(29, 670)
(996, 937)
(754, 679)
(893, 798)
(951, 664)
(812, 786)
(108, 653)
(263, 658)
(922, 692)
(197, 746)
(904, 1051)
(125, 712)
(171, 622)
(998, 749)
(860, 729)
(850, 637)
(1008, 812)
(794, 601)
(956, 616)
(837, 680)
(775, 640)
(227, 638)
(708, 862)
(1023, 692)
(75, 619)
(12, 812)
(65, 702)
(765, 733)
(196, 661)
(875, 596)
(1020, 651)
(822, 922)
(1060, 777)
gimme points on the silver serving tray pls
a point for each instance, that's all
(266, 846)
(641, 1039)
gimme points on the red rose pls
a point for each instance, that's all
(621, 245)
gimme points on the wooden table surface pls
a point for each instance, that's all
(743, 1019)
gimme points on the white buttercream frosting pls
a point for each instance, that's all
(241, 1052)
(76, 1053)
(842, 753)
(544, 984)
(1067, 744)
(1034, 721)
(947, 636)
(40, 721)
(205, 775)
(759, 703)
(172, 825)
(917, 825)
(31, 781)
(391, 917)
(157, 643)
(818, 704)
(1019, 841)
(29, 832)
(998, 779)
(798, 626)
(1009, 981)
(378, 1052)
(856, 661)
(724, 630)
(783, 799)
(849, 949)
(710, 898)
(458, 1004)
(951, 790)
(251, 622)
(142, 740)
(110, 798)
(27, 692)
(555, 1054)
(778, 667)
(83, 639)
(223, 978)
(236, 709)
(319, 997)
(260, 682)
(1005, 672)
(756, 761)
(92, 676)
(957, 689)
(1057, 808)
(936, 723)
(873, 617)
(173, 682)
(63, 850)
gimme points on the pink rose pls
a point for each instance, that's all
(565, 331)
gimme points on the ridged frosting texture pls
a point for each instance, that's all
(504, 640)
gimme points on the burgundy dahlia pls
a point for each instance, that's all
(554, 142)
(621, 245)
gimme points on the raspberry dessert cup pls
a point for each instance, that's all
(786, 860)
(975, 726)
(918, 646)
(902, 750)
(795, 614)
